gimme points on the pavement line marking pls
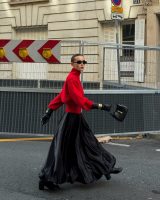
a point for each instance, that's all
(125, 138)
(100, 139)
(24, 139)
(117, 144)
(157, 149)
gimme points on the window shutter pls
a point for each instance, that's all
(110, 57)
(139, 54)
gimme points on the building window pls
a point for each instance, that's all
(128, 38)
(12, 2)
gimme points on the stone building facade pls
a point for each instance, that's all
(76, 20)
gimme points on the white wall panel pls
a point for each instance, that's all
(74, 24)
(52, 17)
(5, 29)
(73, 33)
(139, 54)
(5, 71)
(110, 65)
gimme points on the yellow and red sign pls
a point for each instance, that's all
(116, 2)
(116, 9)
(37, 51)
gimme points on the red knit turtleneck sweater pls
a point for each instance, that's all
(72, 95)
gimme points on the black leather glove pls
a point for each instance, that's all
(120, 112)
(106, 107)
(47, 116)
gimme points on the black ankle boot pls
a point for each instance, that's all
(108, 176)
(116, 170)
(48, 184)
(41, 185)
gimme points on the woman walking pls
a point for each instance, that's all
(75, 155)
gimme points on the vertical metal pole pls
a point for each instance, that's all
(81, 52)
(118, 54)
(103, 66)
(39, 85)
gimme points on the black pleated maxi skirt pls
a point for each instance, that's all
(75, 155)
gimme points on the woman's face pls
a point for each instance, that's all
(79, 63)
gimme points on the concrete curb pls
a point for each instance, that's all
(115, 136)
(155, 136)
(131, 136)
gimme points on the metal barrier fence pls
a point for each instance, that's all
(132, 79)
(137, 67)
(21, 111)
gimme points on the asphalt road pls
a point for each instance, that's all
(21, 161)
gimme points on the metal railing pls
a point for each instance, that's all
(26, 89)
(139, 68)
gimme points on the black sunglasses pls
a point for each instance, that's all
(81, 61)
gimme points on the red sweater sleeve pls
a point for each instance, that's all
(77, 95)
(56, 102)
